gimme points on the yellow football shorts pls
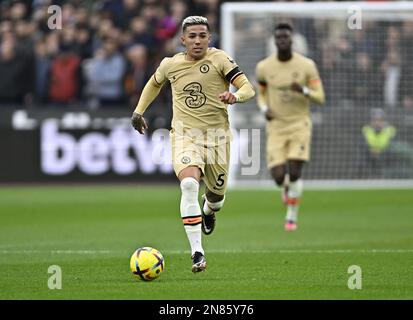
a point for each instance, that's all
(288, 143)
(213, 161)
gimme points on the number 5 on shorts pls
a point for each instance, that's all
(220, 181)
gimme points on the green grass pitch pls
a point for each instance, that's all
(90, 232)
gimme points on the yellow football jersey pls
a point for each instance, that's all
(288, 106)
(196, 86)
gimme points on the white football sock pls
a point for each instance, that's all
(210, 207)
(295, 190)
(286, 181)
(191, 213)
(292, 212)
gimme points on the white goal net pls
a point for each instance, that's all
(364, 52)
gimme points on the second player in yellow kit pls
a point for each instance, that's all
(200, 136)
(288, 82)
(289, 131)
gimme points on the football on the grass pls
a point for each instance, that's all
(147, 264)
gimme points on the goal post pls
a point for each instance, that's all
(364, 52)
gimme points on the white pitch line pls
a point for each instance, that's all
(351, 251)
(85, 252)
(281, 251)
(329, 251)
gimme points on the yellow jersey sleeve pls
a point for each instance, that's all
(313, 77)
(160, 75)
(260, 74)
(227, 66)
(317, 94)
(262, 87)
(149, 93)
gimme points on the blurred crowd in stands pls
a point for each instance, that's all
(102, 55)
(105, 51)
(370, 67)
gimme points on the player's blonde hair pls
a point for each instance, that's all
(193, 21)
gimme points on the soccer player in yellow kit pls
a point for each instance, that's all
(287, 83)
(200, 134)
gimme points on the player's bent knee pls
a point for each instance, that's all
(278, 174)
(189, 184)
(190, 172)
(189, 200)
(294, 176)
(279, 179)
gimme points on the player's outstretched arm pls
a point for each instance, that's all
(245, 91)
(149, 93)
